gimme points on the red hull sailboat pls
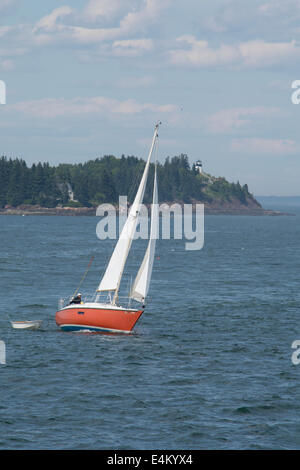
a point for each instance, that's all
(97, 317)
(109, 315)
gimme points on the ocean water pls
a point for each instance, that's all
(207, 367)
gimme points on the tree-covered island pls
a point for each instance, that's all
(103, 180)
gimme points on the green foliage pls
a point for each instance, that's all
(104, 179)
(22, 185)
(222, 190)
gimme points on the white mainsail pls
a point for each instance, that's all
(142, 281)
(113, 274)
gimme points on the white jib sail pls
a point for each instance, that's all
(113, 274)
(142, 281)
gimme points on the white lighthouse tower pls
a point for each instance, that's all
(198, 166)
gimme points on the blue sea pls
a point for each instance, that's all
(207, 367)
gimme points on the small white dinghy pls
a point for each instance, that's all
(26, 325)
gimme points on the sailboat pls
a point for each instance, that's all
(110, 314)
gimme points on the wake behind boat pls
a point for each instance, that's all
(105, 312)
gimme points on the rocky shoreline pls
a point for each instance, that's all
(209, 209)
(39, 210)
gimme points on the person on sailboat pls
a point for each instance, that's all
(76, 299)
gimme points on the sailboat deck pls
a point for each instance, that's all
(100, 306)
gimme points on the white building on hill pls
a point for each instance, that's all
(198, 166)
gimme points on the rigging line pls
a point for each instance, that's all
(138, 175)
(134, 185)
(83, 277)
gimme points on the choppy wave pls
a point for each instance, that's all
(208, 366)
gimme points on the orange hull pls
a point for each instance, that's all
(97, 319)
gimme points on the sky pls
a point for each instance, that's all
(87, 78)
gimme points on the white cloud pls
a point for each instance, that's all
(49, 29)
(132, 47)
(83, 35)
(263, 19)
(200, 54)
(55, 107)
(231, 120)
(49, 22)
(259, 53)
(260, 146)
(136, 82)
(231, 16)
(289, 10)
(137, 20)
(256, 53)
(103, 9)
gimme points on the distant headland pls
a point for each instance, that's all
(78, 189)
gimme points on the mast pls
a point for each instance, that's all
(138, 200)
(113, 275)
